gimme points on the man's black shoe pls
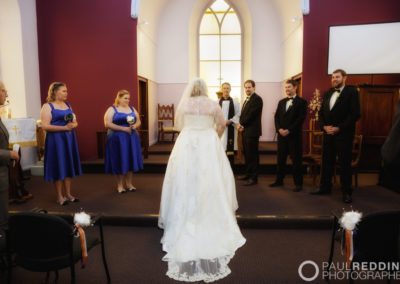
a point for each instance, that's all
(276, 184)
(298, 188)
(347, 198)
(320, 192)
(250, 182)
(243, 177)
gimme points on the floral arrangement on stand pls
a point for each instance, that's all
(348, 222)
(315, 103)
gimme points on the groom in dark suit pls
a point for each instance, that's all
(250, 126)
(338, 115)
(289, 118)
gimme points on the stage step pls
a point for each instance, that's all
(271, 222)
(158, 164)
(159, 154)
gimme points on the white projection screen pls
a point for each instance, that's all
(365, 49)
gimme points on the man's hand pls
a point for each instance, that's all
(240, 128)
(284, 132)
(331, 130)
(14, 155)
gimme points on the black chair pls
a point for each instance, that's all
(3, 254)
(377, 238)
(44, 243)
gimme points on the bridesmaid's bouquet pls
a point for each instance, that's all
(69, 117)
(131, 119)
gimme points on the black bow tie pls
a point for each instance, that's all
(290, 98)
(225, 99)
(337, 90)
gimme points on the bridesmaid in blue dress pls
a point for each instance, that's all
(123, 154)
(61, 156)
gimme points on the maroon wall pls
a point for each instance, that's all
(325, 13)
(91, 46)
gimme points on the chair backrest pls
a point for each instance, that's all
(166, 112)
(39, 236)
(357, 147)
(378, 238)
(316, 142)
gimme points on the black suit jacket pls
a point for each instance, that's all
(250, 117)
(344, 113)
(293, 118)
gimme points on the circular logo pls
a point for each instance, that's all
(308, 279)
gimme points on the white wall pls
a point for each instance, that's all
(292, 36)
(19, 63)
(147, 29)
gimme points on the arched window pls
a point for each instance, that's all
(220, 48)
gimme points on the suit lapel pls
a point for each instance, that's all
(290, 106)
(339, 99)
(327, 101)
(246, 106)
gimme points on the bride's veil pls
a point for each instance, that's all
(197, 87)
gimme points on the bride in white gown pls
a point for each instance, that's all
(198, 201)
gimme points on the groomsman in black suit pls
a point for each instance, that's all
(250, 126)
(289, 118)
(337, 118)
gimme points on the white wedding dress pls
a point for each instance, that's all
(198, 201)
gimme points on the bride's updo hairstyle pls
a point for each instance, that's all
(199, 88)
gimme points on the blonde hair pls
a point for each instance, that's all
(120, 94)
(51, 97)
(199, 88)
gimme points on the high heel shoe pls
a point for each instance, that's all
(121, 191)
(132, 189)
(73, 199)
(63, 202)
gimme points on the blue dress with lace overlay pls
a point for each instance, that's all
(61, 156)
(123, 152)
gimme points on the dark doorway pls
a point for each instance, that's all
(143, 109)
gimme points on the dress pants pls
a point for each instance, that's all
(290, 145)
(341, 147)
(3, 205)
(250, 149)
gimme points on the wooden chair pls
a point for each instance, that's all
(356, 152)
(313, 158)
(166, 116)
(40, 137)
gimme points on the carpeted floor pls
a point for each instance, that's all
(134, 256)
(269, 255)
(97, 193)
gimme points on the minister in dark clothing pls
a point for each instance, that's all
(250, 126)
(6, 156)
(339, 113)
(289, 117)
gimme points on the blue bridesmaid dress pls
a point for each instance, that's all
(61, 156)
(123, 152)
